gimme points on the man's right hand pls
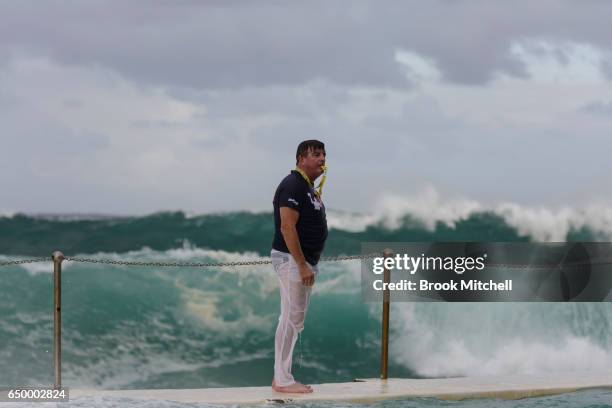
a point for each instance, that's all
(307, 275)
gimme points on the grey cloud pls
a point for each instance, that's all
(272, 100)
(422, 114)
(208, 143)
(155, 124)
(346, 141)
(72, 103)
(36, 139)
(59, 143)
(209, 45)
(598, 108)
(284, 114)
(8, 100)
(237, 44)
(607, 68)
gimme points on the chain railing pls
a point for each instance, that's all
(103, 261)
(203, 264)
(176, 264)
(23, 261)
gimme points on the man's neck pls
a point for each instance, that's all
(306, 173)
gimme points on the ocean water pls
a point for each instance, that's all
(136, 327)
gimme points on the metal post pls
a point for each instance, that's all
(384, 358)
(57, 257)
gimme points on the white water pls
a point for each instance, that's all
(461, 339)
(428, 207)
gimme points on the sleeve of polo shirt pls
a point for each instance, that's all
(289, 197)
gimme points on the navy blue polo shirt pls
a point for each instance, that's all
(295, 192)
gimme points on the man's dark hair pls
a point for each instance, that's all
(306, 146)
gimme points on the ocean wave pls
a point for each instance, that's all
(429, 208)
(446, 340)
(426, 216)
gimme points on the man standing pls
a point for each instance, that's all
(299, 237)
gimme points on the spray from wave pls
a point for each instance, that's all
(459, 339)
(429, 209)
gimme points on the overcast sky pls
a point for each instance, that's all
(132, 107)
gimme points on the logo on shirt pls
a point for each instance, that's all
(316, 203)
(293, 201)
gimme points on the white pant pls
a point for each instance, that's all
(294, 303)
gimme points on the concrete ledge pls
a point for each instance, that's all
(368, 390)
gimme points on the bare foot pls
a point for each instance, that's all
(293, 388)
